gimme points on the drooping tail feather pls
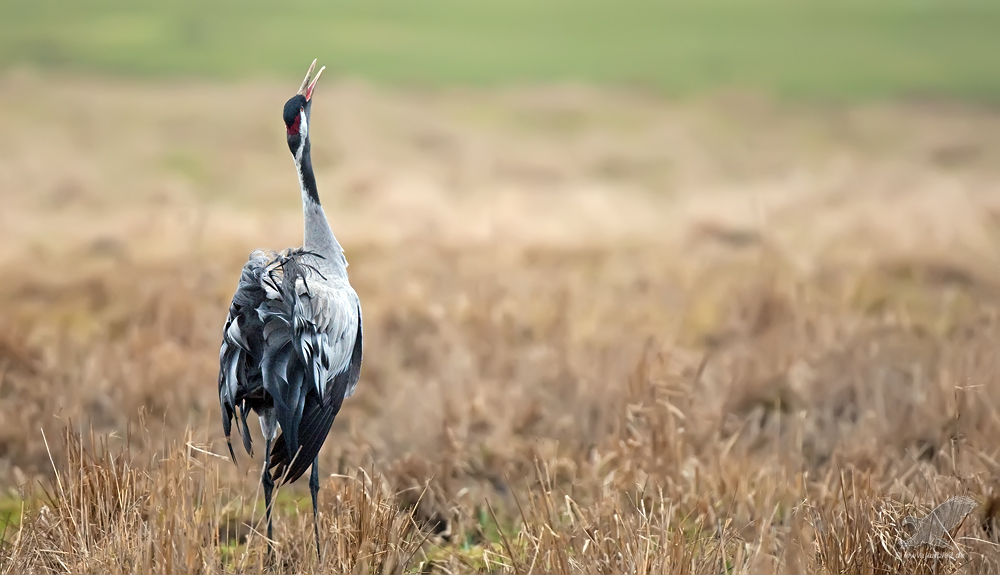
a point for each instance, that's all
(317, 419)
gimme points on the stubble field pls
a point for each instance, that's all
(606, 332)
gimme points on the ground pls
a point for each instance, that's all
(606, 330)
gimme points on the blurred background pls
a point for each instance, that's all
(553, 211)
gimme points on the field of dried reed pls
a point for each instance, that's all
(605, 332)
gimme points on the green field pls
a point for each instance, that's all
(849, 49)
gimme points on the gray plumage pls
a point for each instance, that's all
(293, 336)
(292, 343)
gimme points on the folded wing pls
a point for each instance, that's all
(293, 341)
(240, 380)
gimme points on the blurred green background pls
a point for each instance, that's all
(842, 49)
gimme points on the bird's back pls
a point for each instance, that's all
(291, 351)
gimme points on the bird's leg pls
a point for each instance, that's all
(314, 491)
(268, 482)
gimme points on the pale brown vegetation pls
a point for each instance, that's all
(604, 333)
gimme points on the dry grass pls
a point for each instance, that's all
(604, 333)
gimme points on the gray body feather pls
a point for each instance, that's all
(291, 351)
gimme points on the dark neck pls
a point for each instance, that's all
(308, 178)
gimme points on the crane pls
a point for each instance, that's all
(291, 346)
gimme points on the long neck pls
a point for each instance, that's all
(318, 237)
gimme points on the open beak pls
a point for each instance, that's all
(307, 87)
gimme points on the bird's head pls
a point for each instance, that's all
(296, 113)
